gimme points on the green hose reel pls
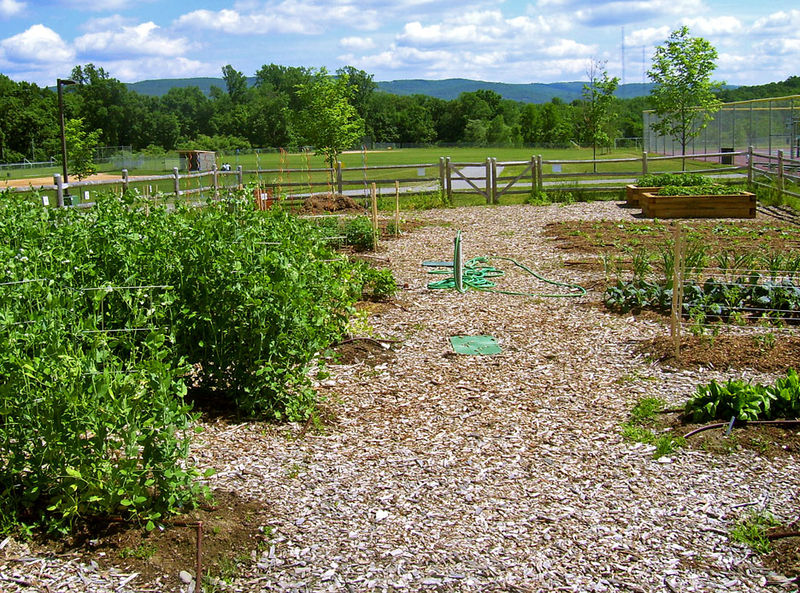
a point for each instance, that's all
(476, 273)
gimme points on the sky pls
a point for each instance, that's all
(512, 41)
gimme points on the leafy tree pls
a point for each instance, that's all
(361, 86)
(80, 148)
(684, 97)
(28, 121)
(327, 120)
(104, 103)
(598, 95)
(235, 83)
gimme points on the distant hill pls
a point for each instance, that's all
(443, 89)
(535, 92)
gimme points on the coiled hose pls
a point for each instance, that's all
(476, 273)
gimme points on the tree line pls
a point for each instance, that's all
(276, 112)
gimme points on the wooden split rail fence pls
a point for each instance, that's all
(447, 176)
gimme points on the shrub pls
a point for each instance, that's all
(101, 313)
(359, 233)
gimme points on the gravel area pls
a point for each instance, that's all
(442, 472)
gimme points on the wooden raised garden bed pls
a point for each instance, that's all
(738, 205)
(633, 194)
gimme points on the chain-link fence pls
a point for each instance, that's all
(768, 125)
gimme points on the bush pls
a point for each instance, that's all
(359, 233)
(101, 313)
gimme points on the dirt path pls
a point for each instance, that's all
(497, 473)
(40, 181)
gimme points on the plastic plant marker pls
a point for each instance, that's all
(483, 345)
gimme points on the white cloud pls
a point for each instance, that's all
(779, 47)
(231, 21)
(307, 17)
(38, 44)
(620, 12)
(648, 36)
(357, 43)
(11, 7)
(108, 22)
(714, 26)
(157, 67)
(482, 28)
(143, 39)
(778, 22)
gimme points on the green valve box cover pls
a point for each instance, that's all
(475, 345)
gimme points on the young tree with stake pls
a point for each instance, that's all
(684, 97)
(328, 121)
(598, 96)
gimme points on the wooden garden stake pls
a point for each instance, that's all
(396, 208)
(374, 196)
(677, 290)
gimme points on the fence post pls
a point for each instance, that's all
(488, 175)
(240, 176)
(176, 182)
(539, 179)
(339, 183)
(534, 182)
(495, 199)
(749, 167)
(374, 200)
(441, 174)
(215, 181)
(448, 181)
(59, 183)
(124, 181)
(780, 171)
(677, 291)
(644, 162)
(396, 208)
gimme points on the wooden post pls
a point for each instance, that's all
(240, 176)
(488, 180)
(495, 199)
(339, 182)
(374, 200)
(749, 167)
(781, 183)
(677, 291)
(215, 181)
(396, 208)
(59, 183)
(448, 181)
(534, 182)
(441, 175)
(644, 162)
(539, 173)
(176, 182)
(125, 181)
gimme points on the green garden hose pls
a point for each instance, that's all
(476, 273)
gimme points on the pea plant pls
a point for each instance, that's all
(105, 314)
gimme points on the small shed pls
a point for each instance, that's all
(197, 160)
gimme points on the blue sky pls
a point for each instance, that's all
(512, 41)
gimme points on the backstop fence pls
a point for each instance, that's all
(768, 125)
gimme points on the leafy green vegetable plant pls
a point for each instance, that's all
(745, 401)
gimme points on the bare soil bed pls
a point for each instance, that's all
(433, 471)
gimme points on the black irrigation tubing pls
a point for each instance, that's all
(743, 423)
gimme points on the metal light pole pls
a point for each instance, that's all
(59, 84)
